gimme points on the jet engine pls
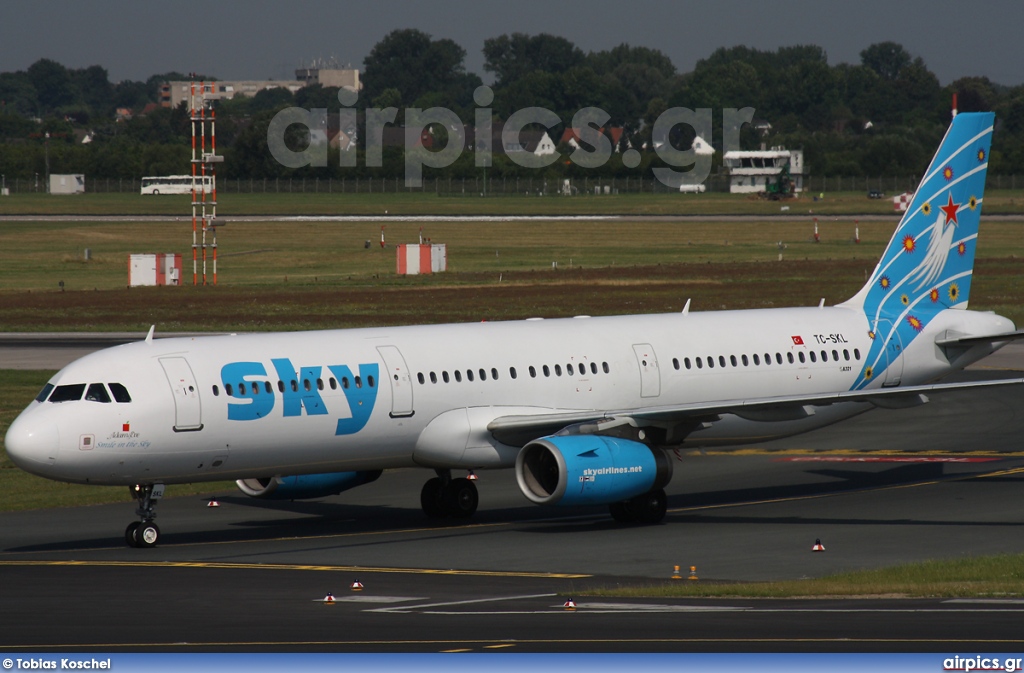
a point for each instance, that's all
(589, 470)
(305, 486)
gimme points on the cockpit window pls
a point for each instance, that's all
(44, 393)
(97, 393)
(120, 393)
(68, 393)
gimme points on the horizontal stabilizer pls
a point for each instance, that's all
(1003, 338)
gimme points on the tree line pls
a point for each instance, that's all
(883, 116)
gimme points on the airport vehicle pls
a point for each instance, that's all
(174, 184)
(585, 409)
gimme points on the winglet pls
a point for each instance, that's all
(149, 337)
(686, 309)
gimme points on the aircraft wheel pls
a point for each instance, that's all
(650, 507)
(147, 534)
(622, 512)
(432, 498)
(129, 534)
(461, 498)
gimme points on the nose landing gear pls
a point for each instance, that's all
(144, 533)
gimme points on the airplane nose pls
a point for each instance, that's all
(32, 444)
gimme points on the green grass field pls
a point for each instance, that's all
(990, 576)
(1004, 201)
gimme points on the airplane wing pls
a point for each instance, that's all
(519, 430)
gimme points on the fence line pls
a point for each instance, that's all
(483, 185)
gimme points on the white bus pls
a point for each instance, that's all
(175, 184)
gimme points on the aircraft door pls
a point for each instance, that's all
(188, 414)
(893, 355)
(650, 377)
(401, 381)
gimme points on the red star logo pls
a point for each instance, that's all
(950, 209)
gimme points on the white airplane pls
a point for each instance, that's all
(584, 409)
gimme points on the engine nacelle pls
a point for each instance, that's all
(589, 470)
(304, 486)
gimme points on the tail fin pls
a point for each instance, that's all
(928, 264)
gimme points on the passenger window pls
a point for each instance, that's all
(511, 372)
(744, 360)
(757, 360)
(469, 374)
(593, 367)
(268, 388)
(789, 356)
(813, 357)
(97, 393)
(120, 393)
(216, 391)
(721, 360)
(419, 377)
(768, 359)
(711, 362)
(494, 374)
(835, 355)
(44, 393)
(547, 372)
(558, 370)
(306, 385)
(370, 382)
(444, 376)
(483, 374)
(433, 377)
(241, 388)
(606, 368)
(778, 358)
(344, 381)
(675, 363)
(533, 372)
(227, 389)
(856, 353)
(256, 389)
(846, 355)
(319, 384)
(732, 359)
(686, 362)
(569, 369)
(801, 356)
(295, 386)
(358, 380)
(458, 376)
(280, 386)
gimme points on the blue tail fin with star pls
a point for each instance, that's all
(928, 264)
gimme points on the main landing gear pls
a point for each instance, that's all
(647, 508)
(144, 533)
(443, 496)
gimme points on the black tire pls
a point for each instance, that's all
(432, 498)
(461, 498)
(147, 534)
(129, 534)
(650, 507)
(621, 512)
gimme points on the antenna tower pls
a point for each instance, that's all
(203, 112)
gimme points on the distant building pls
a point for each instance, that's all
(752, 171)
(345, 78)
(571, 137)
(173, 94)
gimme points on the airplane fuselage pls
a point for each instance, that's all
(242, 406)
